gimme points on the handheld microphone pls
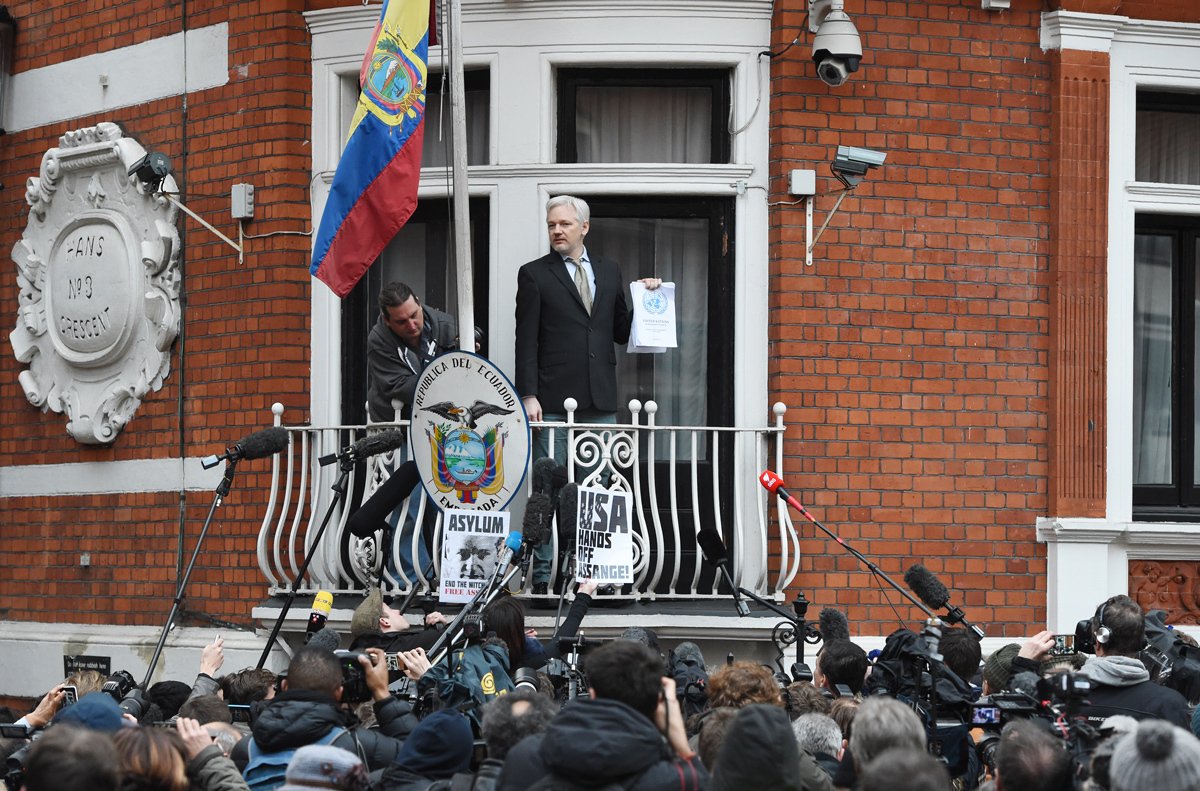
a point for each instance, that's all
(259, 445)
(713, 549)
(933, 593)
(510, 553)
(373, 445)
(833, 625)
(317, 617)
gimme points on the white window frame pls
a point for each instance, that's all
(1088, 559)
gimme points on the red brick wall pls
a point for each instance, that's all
(244, 341)
(914, 351)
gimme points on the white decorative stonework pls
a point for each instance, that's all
(97, 269)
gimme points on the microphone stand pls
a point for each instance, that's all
(345, 464)
(801, 630)
(874, 569)
(222, 492)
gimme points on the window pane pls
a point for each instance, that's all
(652, 124)
(1168, 138)
(421, 254)
(675, 250)
(1152, 359)
(439, 126)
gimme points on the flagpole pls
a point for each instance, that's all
(462, 208)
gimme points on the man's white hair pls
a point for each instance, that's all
(582, 212)
(882, 723)
(817, 733)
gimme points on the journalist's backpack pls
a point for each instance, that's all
(266, 771)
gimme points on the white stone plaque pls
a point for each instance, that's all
(97, 269)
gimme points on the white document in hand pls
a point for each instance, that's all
(653, 318)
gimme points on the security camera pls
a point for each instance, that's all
(837, 50)
(851, 164)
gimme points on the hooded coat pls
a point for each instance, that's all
(296, 718)
(599, 742)
(1122, 685)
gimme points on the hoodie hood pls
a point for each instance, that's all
(594, 742)
(759, 751)
(1115, 671)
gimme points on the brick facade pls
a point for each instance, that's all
(916, 347)
(244, 338)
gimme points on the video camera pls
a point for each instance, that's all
(1056, 699)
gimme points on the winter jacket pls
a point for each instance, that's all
(477, 673)
(1122, 685)
(210, 770)
(296, 718)
(393, 368)
(594, 742)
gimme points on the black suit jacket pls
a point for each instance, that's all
(562, 351)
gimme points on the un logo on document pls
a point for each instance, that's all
(654, 302)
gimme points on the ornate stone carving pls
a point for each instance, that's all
(97, 269)
(1171, 585)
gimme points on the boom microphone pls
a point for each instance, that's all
(372, 445)
(372, 515)
(543, 475)
(568, 514)
(715, 553)
(259, 445)
(930, 590)
(539, 512)
(833, 625)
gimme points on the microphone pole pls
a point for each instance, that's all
(222, 491)
(774, 484)
(453, 631)
(347, 459)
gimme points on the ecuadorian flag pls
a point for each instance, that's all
(374, 190)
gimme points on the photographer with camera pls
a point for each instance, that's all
(1120, 681)
(307, 711)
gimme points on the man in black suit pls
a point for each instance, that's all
(571, 310)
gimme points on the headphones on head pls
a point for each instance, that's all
(1103, 633)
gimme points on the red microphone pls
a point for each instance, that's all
(774, 484)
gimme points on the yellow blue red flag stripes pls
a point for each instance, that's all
(374, 190)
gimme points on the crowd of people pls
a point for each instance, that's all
(928, 713)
